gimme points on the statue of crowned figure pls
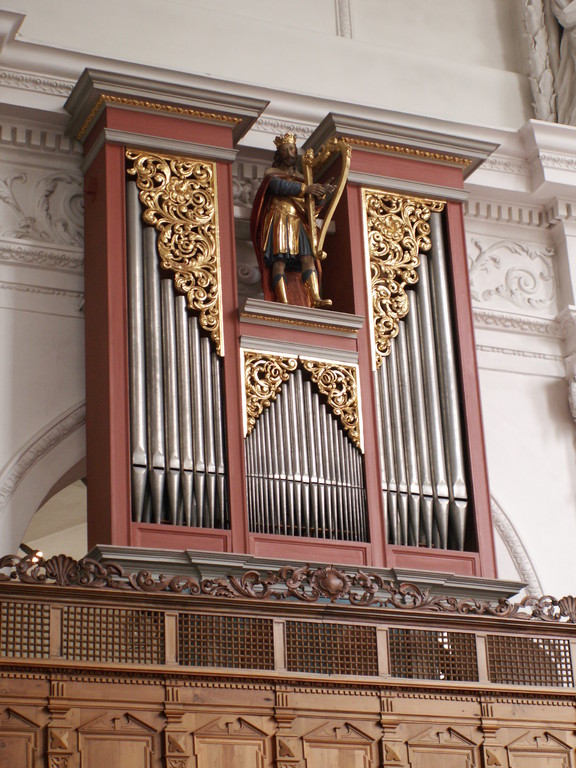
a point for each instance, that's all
(284, 225)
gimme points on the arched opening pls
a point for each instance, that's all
(59, 525)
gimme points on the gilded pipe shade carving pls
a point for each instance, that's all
(397, 229)
(179, 199)
(264, 374)
(263, 377)
(339, 384)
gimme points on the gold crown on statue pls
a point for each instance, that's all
(288, 138)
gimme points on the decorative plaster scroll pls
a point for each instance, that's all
(57, 259)
(340, 386)
(302, 583)
(249, 274)
(180, 201)
(263, 376)
(242, 192)
(397, 230)
(562, 46)
(24, 81)
(541, 76)
(515, 548)
(48, 209)
(512, 165)
(515, 273)
(533, 326)
(343, 18)
(557, 161)
(37, 447)
(280, 127)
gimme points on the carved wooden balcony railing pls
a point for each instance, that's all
(291, 624)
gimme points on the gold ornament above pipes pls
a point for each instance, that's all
(265, 373)
(179, 199)
(397, 231)
(339, 384)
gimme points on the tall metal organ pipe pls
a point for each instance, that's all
(304, 476)
(421, 431)
(176, 398)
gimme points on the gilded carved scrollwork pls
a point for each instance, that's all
(265, 373)
(339, 384)
(179, 199)
(397, 230)
(263, 377)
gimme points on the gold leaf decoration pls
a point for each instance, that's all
(123, 101)
(398, 149)
(397, 230)
(339, 384)
(263, 376)
(179, 199)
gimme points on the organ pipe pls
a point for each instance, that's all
(176, 398)
(420, 430)
(301, 446)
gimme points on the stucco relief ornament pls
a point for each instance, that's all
(179, 199)
(47, 209)
(514, 272)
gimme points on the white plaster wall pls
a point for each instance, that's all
(461, 62)
(454, 59)
(530, 445)
(41, 318)
(519, 226)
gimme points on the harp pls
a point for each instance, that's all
(332, 158)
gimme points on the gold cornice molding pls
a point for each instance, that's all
(396, 229)
(398, 149)
(152, 106)
(179, 197)
(264, 374)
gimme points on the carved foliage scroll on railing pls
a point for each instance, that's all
(263, 377)
(265, 373)
(397, 230)
(303, 583)
(179, 199)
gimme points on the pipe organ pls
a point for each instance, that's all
(350, 435)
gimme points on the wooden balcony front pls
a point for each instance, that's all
(303, 666)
